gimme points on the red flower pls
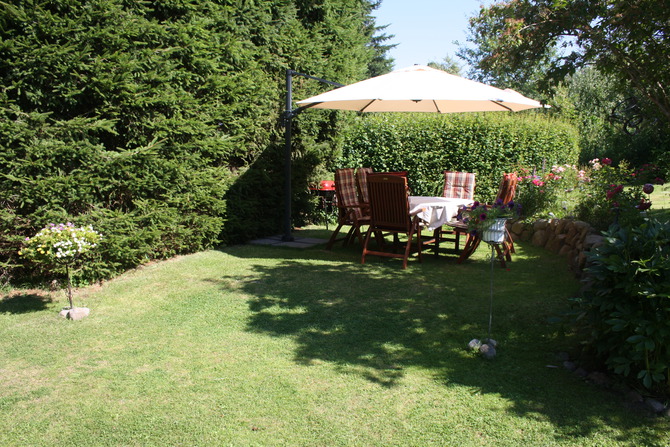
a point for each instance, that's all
(614, 191)
(643, 205)
(606, 161)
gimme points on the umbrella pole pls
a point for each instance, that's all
(288, 121)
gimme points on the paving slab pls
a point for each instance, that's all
(297, 242)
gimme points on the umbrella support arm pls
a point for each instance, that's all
(287, 120)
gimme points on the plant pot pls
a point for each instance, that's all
(495, 233)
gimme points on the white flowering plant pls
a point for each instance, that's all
(58, 245)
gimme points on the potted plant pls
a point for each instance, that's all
(61, 247)
(488, 221)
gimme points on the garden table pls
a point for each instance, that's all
(436, 211)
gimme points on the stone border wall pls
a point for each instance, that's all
(569, 238)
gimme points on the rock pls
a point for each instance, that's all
(562, 356)
(561, 225)
(63, 313)
(539, 238)
(517, 227)
(487, 351)
(582, 226)
(491, 342)
(77, 313)
(570, 366)
(581, 372)
(565, 251)
(540, 224)
(634, 397)
(592, 240)
(556, 244)
(654, 405)
(600, 379)
(474, 344)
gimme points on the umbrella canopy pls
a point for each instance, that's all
(420, 89)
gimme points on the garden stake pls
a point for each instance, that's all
(491, 303)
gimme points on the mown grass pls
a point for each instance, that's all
(660, 200)
(268, 346)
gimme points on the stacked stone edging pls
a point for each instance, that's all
(569, 238)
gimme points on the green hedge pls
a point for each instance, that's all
(488, 144)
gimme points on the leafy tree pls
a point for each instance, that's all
(484, 33)
(627, 40)
(587, 98)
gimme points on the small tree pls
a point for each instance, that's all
(61, 246)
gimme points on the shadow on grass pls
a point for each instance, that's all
(377, 320)
(24, 303)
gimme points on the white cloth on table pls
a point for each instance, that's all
(436, 211)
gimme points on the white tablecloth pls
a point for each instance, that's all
(435, 211)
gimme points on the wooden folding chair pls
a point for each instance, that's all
(389, 213)
(362, 181)
(505, 195)
(457, 185)
(350, 209)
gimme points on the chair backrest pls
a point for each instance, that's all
(459, 185)
(389, 204)
(345, 187)
(507, 188)
(400, 173)
(346, 192)
(362, 179)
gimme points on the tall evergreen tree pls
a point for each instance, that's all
(154, 120)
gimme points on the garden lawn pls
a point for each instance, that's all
(269, 346)
(660, 200)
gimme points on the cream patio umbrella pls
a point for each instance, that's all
(420, 89)
(413, 89)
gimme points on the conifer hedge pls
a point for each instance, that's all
(158, 122)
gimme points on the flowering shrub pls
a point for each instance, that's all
(605, 199)
(648, 173)
(542, 195)
(60, 245)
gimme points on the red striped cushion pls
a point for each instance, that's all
(459, 185)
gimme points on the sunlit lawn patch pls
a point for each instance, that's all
(255, 345)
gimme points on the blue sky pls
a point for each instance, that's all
(426, 29)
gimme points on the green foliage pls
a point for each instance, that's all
(626, 308)
(606, 197)
(148, 119)
(515, 36)
(487, 144)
